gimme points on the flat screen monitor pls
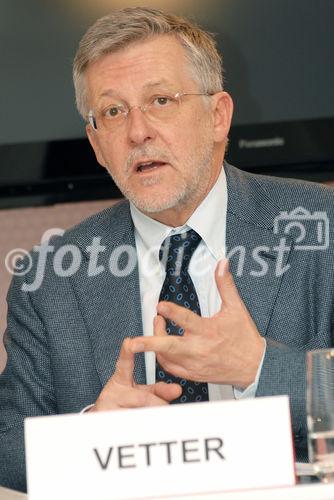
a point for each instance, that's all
(278, 58)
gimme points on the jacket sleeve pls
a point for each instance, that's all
(26, 387)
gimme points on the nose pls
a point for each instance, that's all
(139, 128)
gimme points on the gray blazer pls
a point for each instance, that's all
(63, 340)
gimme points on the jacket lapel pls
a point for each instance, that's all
(110, 300)
(257, 256)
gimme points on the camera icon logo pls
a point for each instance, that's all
(313, 228)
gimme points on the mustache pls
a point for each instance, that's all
(149, 152)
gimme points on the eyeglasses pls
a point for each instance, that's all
(157, 108)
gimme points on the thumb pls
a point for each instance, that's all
(225, 283)
(159, 326)
(125, 365)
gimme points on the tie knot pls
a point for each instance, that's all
(177, 250)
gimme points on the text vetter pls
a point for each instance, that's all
(159, 453)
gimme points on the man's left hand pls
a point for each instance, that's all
(226, 348)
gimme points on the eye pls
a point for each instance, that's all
(113, 111)
(162, 100)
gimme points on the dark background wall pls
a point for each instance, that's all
(278, 58)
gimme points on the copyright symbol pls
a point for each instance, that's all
(15, 264)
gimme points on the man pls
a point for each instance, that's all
(150, 87)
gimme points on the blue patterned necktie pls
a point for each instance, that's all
(175, 253)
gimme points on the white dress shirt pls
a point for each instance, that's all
(209, 221)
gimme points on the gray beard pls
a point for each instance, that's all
(199, 164)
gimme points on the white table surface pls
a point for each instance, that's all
(299, 492)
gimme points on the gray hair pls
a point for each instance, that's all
(122, 27)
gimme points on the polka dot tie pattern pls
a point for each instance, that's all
(178, 287)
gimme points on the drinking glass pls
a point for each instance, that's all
(320, 412)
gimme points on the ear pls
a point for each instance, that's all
(223, 111)
(94, 142)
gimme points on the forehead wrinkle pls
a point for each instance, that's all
(112, 93)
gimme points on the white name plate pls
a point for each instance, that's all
(155, 452)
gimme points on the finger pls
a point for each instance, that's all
(167, 343)
(137, 398)
(186, 319)
(162, 390)
(159, 327)
(168, 392)
(174, 367)
(125, 364)
(227, 290)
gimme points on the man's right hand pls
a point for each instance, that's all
(122, 392)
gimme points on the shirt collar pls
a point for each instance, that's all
(208, 220)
